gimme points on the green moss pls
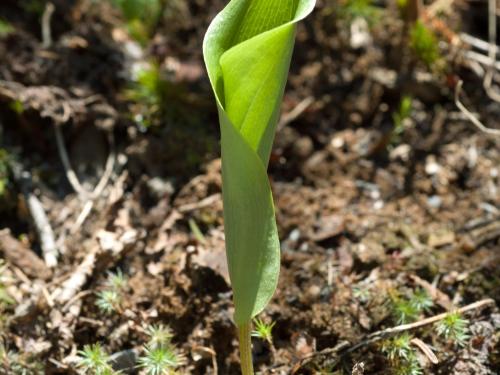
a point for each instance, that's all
(424, 44)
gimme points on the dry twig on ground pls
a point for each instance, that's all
(46, 30)
(470, 116)
(40, 220)
(86, 196)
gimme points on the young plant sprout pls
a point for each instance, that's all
(454, 327)
(110, 299)
(407, 310)
(421, 300)
(160, 355)
(424, 43)
(117, 281)
(162, 360)
(247, 51)
(401, 355)
(93, 359)
(263, 330)
(159, 335)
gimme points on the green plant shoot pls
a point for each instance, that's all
(247, 51)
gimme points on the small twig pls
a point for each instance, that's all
(77, 280)
(40, 219)
(295, 113)
(476, 42)
(213, 356)
(70, 173)
(205, 202)
(46, 31)
(44, 229)
(89, 204)
(108, 169)
(425, 349)
(85, 195)
(75, 298)
(469, 115)
(87, 208)
(480, 58)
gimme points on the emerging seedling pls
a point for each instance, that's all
(110, 299)
(401, 355)
(263, 330)
(247, 51)
(160, 360)
(406, 310)
(160, 355)
(421, 300)
(159, 335)
(454, 327)
(403, 112)
(93, 359)
(424, 43)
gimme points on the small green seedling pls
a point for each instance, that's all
(398, 347)
(454, 327)
(424, 43)
(196, 231)
(160, 355)
(159, 335)
(148, 92)
(161, 360)
(421, 300)
(263, 330)
(403, 112)
(410, 367)
(401, 355)
(116, 281)
(406, 310)
(110, 300)
(94, 360)
(247, 51)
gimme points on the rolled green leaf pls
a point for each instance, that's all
(247, 51)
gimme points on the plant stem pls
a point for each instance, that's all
(244, 331)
